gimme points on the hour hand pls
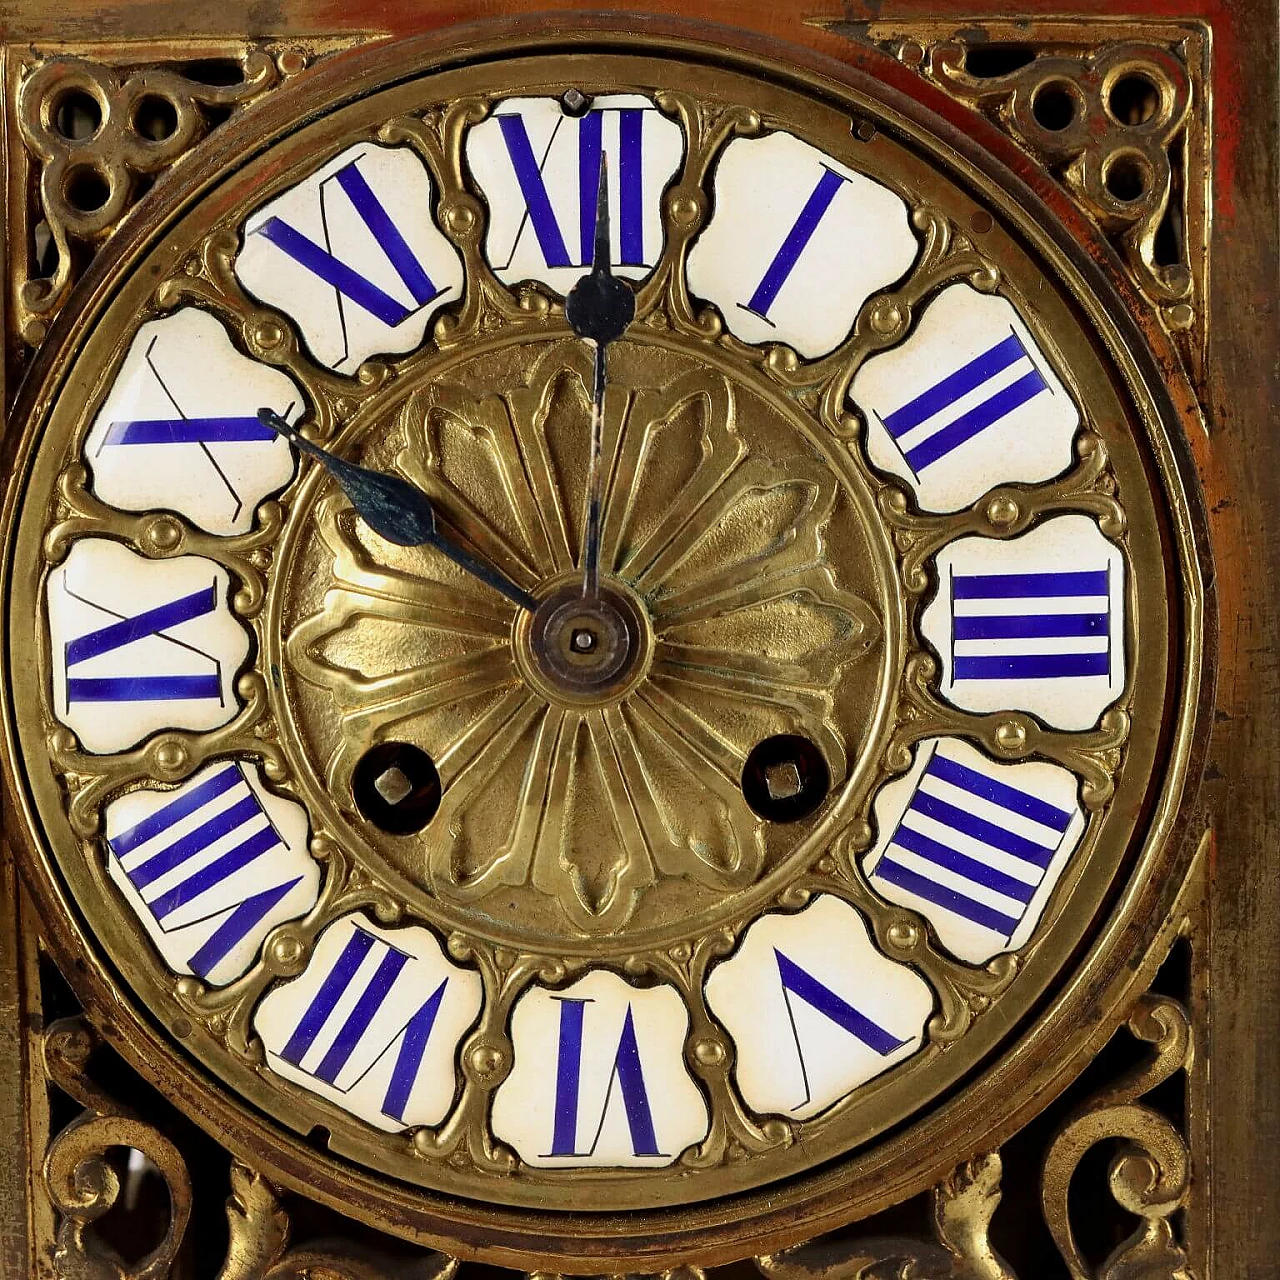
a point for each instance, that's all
(397, 511)
(600, 306)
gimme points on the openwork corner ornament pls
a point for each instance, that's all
(1118, 113)
(97, 135)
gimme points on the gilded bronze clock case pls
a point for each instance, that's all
(1068, 1024)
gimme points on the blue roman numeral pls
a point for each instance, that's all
(126, 631)
(1006, 628)
(931, 405)
(349, 282)
(797, 240)
(156, 858)
(186, 431)
(627, 1073)
(802, 984)
(346, 1037)
(533, 187)
(992, 837)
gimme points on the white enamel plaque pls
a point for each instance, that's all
(1034, 623)
(373, 1023)
(210, 868)
(140, 645)
(797, 243)
(539, 170)
(814, 1009)
(976, 847)
(353, 256)
(967, 402)
(599, 1077)
(180, 430)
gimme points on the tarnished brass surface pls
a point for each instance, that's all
(913, 542)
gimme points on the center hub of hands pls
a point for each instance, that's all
(585, 649)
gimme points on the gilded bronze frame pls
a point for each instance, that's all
(1239, 493)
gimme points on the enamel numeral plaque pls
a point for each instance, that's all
(603, 640)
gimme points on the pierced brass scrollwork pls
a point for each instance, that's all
(1117, 111)
(1150, 1176)
(97, 133)
(1112, 155)
(82, 1186)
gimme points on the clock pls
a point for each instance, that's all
(604, 645)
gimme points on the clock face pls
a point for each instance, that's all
(751, 865)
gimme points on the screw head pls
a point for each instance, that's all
(782, 780)
(392, 785)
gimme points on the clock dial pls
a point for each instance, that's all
(681, 886)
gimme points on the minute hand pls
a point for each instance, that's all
(398, 511)
(599, 308)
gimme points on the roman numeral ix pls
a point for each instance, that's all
(125, 631)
